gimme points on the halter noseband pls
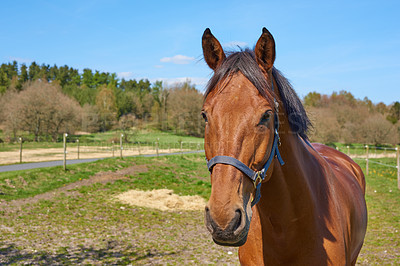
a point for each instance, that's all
(256, 176)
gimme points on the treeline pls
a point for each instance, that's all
(341, 117)
(48, 100)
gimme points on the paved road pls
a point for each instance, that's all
(26, 166)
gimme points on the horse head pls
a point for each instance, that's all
(240, 112)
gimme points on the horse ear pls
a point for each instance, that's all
(212, 50)
(265, 50)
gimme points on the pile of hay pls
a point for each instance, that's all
(162, 199)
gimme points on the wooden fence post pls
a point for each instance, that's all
(158, 139)
(112, 148)
(65, 151)
(398, 167)
(20, 150)
(77, 141)
(367, 154)
(120, 144)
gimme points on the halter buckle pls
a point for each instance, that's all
(277, 135)
(258, 179)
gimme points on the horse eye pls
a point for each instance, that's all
(204, 115)
(265, 117)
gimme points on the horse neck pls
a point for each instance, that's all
(288, 195)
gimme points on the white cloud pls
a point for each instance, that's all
(158, 66)
(20, 60)
(177, 59)
(198, 81)
(235, 44)
(125, 75)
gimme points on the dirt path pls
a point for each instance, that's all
(89, 152)
(86, 152)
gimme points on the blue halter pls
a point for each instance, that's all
(256, 176)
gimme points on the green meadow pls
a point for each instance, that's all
(45, 220)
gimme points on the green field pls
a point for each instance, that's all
(46, 221)
(145, 136)
(382, 242)
(360, 149)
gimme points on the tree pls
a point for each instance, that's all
(90, 118)
(83, 94)
(312, 99)
(106, 104)
(126, 124)
(377, 130)
(43, 110)
(160, 95)
(394, 113)
(185, 107)
(125, 102)
(9, 113)
(87, 78)
(342, 117)
(23, 77)
(4, 81)
(343, 98)
(381, 108)
(34, 71)
(44, 72)
(64, 115)
(326, 127)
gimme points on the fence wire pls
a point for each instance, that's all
(387, 165)
(372, 154)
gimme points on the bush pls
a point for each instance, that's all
(41, 109)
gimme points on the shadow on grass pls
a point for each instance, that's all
(11, 254)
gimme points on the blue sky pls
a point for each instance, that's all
(322, 46)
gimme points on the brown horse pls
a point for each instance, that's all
(312, 209)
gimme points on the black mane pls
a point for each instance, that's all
(245, 62)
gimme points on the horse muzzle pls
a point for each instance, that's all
(234, 233)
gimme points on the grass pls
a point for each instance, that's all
(28, 183)
(359, 149)
(173, 172)
(89, 227)
(150, 136)
(105, 138)
(29, 145)
(145, 135)
(382, 242)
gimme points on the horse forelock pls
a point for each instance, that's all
(242, 61)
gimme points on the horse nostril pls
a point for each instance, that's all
(237, 220)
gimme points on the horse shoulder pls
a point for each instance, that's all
(341, 164)
(349, 193)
